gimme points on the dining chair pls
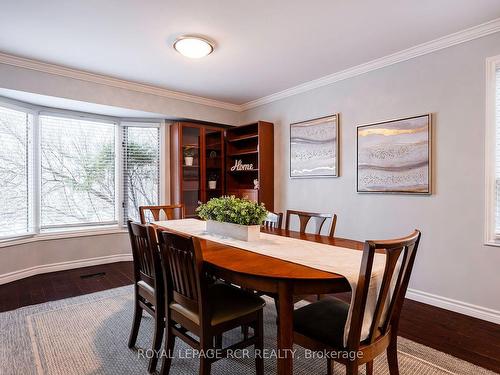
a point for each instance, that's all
(170, 212)
(320, 325)
(149, 289)
(273, 220)
(305, 217)
(205, 309)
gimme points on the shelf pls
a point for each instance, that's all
(243, 152)
(190, 146)
(243, 137)
(191, 166)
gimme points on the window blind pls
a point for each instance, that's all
(15, 172)
(497, 152)
(77, 172)
(141, 167)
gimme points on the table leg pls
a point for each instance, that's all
(285, 328)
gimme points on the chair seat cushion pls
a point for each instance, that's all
(323, 321)
(226, 303)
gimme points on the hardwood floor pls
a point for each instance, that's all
(471, 339)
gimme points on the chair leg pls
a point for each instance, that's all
(218, 342)
(169, 351)
(157, 339)
(136, 322)
(259, 345)
(205, 363)
(245, 331)
(369, 368)
(330, 366)
(352, 368)
(392, 357)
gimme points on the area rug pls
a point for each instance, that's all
(88, 335)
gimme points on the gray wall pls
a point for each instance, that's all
(452, 261)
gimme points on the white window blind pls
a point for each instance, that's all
(497, 152)
(77, 172)
(141, 168)
(15, 173)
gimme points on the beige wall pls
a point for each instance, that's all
(452, 262)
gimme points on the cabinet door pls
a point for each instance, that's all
(214, 163)
(191, 168)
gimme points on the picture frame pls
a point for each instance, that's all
(395, 156)
(314, 148)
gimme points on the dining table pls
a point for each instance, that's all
(278, 277)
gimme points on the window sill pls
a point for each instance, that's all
(492, 242)
(60, 235)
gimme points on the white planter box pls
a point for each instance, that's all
(236, 231)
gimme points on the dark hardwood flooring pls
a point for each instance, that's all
(471, 339)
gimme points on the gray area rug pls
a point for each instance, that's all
(88, 335)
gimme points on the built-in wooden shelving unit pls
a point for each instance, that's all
(251, 144)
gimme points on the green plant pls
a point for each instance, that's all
(189, 151)
(233, 210)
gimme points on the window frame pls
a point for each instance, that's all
(491, 237)
(79, 230)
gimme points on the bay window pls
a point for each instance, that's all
(62, 172)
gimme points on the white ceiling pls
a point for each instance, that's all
(262, 46)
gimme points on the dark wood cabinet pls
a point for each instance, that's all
(196, 164)
(250, 162)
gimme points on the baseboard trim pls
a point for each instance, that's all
(61, 266)
(465, 308)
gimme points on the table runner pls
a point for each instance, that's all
(334, 259)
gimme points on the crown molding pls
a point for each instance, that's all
(463, 36)
(111, 81)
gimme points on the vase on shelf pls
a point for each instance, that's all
(188, 160)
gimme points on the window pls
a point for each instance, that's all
(497, 150)
(15, 172)
(61, 172)
(77, 172)
(141, 168)
(492, 147)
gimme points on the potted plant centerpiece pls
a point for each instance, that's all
(188, 155)
(233, 217)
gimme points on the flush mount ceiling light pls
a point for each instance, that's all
(193, 47)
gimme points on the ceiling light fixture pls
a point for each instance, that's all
(193, 47)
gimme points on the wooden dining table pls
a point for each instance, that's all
(277, 277)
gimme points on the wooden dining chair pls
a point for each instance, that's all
(170, 212)
(305, 217)
(149, 287)
(196, 305)
(273, 220)
(320, 325)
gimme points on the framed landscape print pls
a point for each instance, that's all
(314, 148)
(395, 156)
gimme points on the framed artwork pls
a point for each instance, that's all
(314, 146)
(395, 156)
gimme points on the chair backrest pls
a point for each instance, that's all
(145, 254)
(273, 220)
(400, 257)
(304, 218)
(173, 211)
(182, 265)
